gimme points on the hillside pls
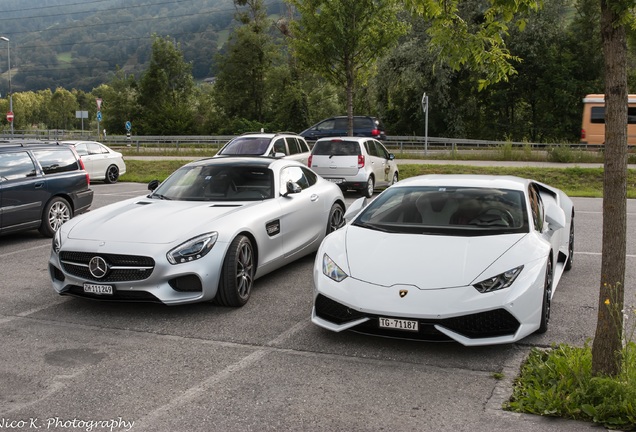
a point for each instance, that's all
(76, 44)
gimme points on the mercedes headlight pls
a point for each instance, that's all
(504, 280)
(193, 249)
(331, 269)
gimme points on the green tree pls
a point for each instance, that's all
(608, 340)
(408, 70)
(166, 91)
(45, 113)
(62, 110)
(341, 40)
(476, 44)
(27, 106)
(542, 102)
(119, 102)
(240, 82)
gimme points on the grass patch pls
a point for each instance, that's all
(580, 182)
(559, 382)
(146, 171)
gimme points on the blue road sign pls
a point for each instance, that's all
(128, 126)
(99, 116)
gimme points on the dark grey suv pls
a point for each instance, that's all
(41, 186)
(363, 126)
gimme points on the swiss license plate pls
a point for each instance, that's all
(335, 180)
(98, 289)
(399, 324)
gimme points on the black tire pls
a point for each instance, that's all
(237, 274)
(546, 304)
(395, 179)
(368, 190)
(112, 174)
(570, 261)
(56, 212)
(336, 218)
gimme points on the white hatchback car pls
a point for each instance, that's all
(286, 145)
(101, 162)
(354, 163)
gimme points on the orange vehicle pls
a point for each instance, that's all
(593, 128)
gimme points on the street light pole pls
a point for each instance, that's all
(6, 39)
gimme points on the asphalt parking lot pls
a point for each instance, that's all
(71, 364)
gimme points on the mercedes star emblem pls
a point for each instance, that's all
(98, 267)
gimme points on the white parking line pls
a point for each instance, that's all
(228, 372)
(46, 245)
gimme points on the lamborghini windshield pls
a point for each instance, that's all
(447, 211)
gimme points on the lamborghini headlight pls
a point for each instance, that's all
(504, 280)
(331, 269)
(193, 249)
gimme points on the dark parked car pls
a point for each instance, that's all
(41, 186)
(363, 126)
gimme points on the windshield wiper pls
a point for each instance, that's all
(162, 197)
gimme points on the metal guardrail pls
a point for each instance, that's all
(403, 144)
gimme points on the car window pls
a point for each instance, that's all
(336, 148)
(246, 146)
(94, 148)
(279, 146)
(304, 148)
(381, 150)
(82, 149)
(459, 210)
(311, 176)
(536, 207)
(342, 124)
(56, 160)
(326, 125)
(292, 143)
(370, 147)
(16, 166)
(294, 174)
(362, 123)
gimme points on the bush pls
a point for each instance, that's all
(559, 382)
(561, 153)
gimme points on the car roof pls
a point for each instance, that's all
(468, 180)
(14, 143)
(75, 142)
(346, 138)
(267, 135)
(355, 116)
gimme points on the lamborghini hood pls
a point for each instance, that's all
(424, 261)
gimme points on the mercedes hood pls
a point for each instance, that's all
(143, 220)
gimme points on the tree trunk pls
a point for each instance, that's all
(607, 345)
(350, 90)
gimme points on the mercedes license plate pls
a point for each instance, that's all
(399, 324)
(98, 289)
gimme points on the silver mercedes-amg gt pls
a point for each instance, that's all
(205, 233)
